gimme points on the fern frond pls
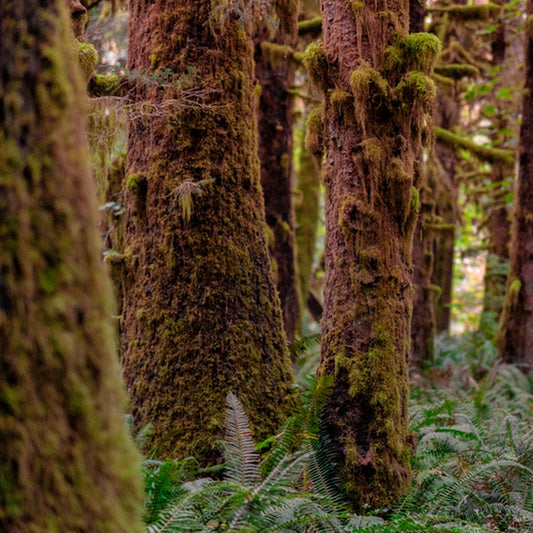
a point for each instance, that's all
(241, 457)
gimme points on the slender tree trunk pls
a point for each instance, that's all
(201, 312)
(274, 72)
(423, 319)
(516, 327)
(499, 225)
(307, 211)
(66, 462)
(379, 98)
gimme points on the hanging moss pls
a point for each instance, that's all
(420, 51)
(88, 58)
(418, 89)
(314, 139)
(316, 63)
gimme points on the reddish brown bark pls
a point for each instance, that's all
(516, 333)
(372, 175)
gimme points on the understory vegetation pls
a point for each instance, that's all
(472, 460)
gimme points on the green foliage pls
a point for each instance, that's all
(291, 491)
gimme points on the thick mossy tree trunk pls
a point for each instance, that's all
(516, 326)
(274, 72)
(377, 111)
(66, 461)
(201, 314)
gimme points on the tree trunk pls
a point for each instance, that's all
(307, 212)
(516, 327)
(378, 103)
(66, 461)
(201, 312)
(274, 72)
(499, 225)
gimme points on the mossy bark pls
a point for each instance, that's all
(201, 313)
(275, 76)
(516, 327)
(66, 461)
(378, 105)
(307, 211)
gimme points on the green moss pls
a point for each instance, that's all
(357, 6)
(310, 26)
(457, 71)
(87, 57)
(276, 54)
(484, 153)
(133, 182)
(338, 101)
(415, 200)
(316, 63)
(314, 140)
(514, 288)
(473, 12)
(420, 51)
(417, 89)
(104, 85)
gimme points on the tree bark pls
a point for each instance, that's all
(499, 224)
(201, 313)
(66, 461)
(274, 71)
(378, 97)
(516, 327)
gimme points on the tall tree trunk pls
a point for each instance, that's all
(307, 211)
(274, 72)
(66, 462)
(378, 99)
(499, 225)
(201, 312)
(423, 319)
(516, 327)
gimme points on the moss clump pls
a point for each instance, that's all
(316, 63)
(417, 89)
(87, 57)
(104, 85)
(338, 101)
(371, 92)
(420, 51)
(133, 182)
(314, 138)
